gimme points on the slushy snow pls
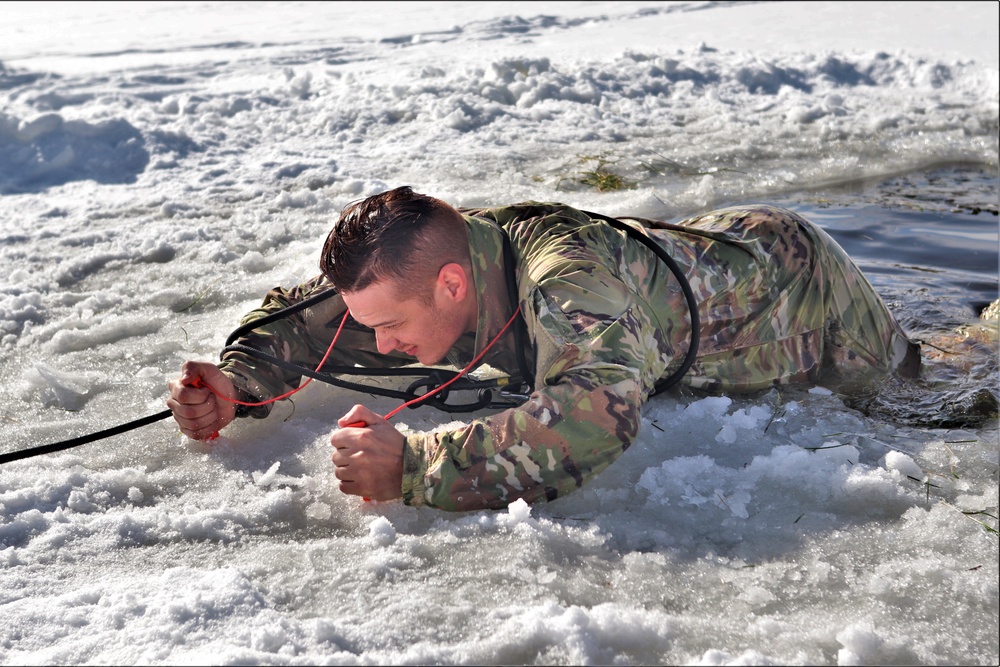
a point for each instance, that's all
(165, 164)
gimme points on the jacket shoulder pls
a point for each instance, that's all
(524, 211)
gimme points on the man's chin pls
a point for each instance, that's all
(426, 360)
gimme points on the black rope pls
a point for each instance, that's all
(692, 303)
(323, 377)
(631, 232)
(329, 371)
(287, 311)
(83, 439)
(520, 327)
(431, 376)
(431, 379)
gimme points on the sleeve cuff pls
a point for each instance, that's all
(414, 469)
(245, 393)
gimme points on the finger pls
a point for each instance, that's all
(350, 488)
(190, 372)
(190, 411)
(338, 440)
(359, 413)
(343, 474)
(192, 423)
(189, 395)
(205, 429)
(215, 378)
(198, 429)
(341, 457)
(348, 438)
(209, 420)
(201, 378)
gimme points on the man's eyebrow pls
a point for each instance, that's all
(387, 322)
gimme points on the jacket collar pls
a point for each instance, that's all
(486, 253)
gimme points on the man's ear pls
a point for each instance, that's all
(453, 282)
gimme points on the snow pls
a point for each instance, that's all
(165, 164)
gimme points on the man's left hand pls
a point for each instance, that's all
(369, 458)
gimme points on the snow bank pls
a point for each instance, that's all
(47, 150)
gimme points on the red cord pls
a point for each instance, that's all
(198, 381)
(301, 386)
(360, 424)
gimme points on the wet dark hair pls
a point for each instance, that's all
(397, 235)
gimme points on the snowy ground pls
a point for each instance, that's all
(163, 164)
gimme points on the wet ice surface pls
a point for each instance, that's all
(151, 196)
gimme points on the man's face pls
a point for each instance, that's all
(408, 324)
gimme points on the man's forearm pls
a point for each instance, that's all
(547, 448)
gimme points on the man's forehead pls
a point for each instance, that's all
(378, 304)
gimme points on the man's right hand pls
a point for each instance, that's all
(200, 413)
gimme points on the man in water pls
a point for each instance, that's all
(604, 321)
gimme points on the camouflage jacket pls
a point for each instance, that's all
(606, 320)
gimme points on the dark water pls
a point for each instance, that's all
(929, 242)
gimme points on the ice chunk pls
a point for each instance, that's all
(69, 391)
(267, 478)
(519, 511)
(382, 532)
(903, 464)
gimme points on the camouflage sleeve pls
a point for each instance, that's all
(596, 360)
(301, 338)
(290, 339)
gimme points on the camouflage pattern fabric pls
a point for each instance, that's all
(779, 302)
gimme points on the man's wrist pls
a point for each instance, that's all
(244, 395)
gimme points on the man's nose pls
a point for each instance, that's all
(385, 343)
